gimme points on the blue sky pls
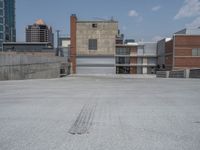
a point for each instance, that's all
(146, 20)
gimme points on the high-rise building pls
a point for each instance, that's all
(7, 21)
(39, 32)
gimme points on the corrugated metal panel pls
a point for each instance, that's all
(95, 65)
(96, 70)
(85, 61)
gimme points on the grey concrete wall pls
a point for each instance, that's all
(162, 74)
(194, 73)
(177, 74)
(171, 74)
(105, 33)
(19, 67)
(187, 73)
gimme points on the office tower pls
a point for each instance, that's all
(7, 21)
(39, 32)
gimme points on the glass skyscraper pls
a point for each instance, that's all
(7, 22)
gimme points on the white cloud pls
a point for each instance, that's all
(156, 8)
(133, 13)
(157, 38)
(194, 24)
(189, 9)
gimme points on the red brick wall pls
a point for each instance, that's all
(169, 54)
(73, 42)
(187, 62)
(183, 51)
(168, 62)
(185, 44)
(169, 47)
(187, 41)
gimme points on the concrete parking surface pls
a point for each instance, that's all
(100, 113)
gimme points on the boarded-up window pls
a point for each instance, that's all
(92, 44)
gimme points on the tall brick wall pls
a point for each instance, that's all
(169, 47)
(169, 55)
(183, 51)
(73, 20)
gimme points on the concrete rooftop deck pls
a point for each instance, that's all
(100, 113)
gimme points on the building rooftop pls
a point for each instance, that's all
(100, 113)
(27, 43)
(189, 31)
(97, 21)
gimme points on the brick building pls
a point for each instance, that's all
(181, 52)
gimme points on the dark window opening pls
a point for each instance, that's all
(122, 60)
(92, 44)
(123, 70)
(94, 25)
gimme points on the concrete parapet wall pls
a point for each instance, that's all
(187, 73)
(162, 74)
(19, 67)
(194, 73)
(177, 74)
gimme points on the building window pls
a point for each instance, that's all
(1, 4)
(123, 51)
(1, 28)
(1, 20)
(1, 36)
(94, 25)
(92, 44)
(196, 52)
(1, 12)
(123, 70)
(122, 60)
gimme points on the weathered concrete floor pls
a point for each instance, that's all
(82, 113)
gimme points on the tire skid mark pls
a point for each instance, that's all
(84, 120)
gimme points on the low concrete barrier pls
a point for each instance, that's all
(177, 74)
(187, 73)
(162, 74)
(194, 73)
(19, 67)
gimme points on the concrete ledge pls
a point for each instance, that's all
(177, 74)
(194, 73)
(187, 73)
(136, 76)
(20, 67)
(30, 71)
(162, 74)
